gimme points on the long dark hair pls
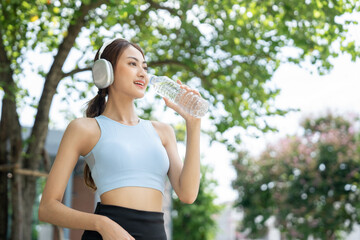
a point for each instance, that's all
(96, 106)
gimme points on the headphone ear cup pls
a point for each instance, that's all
(103, 74)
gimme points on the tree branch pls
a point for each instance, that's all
(16, 169)
(75, 71)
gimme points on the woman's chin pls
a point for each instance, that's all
(139, 96)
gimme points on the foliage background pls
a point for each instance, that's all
(197, 219)
(227, 49)
(309, 182)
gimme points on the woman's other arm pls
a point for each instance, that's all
(184, 177)
(79, 138)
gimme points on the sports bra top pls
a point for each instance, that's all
(127, 156)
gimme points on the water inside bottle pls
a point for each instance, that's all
(190, 102)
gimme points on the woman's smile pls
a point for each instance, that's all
(140, 83)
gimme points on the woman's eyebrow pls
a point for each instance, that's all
(136, 59)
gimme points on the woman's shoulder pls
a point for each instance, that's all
(86, 126)
(83, 133)
(160, 126)
(164, 130)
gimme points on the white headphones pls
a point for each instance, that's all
(102, 70)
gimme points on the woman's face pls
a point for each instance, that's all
(130, 75)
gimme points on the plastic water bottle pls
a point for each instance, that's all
(190, 102)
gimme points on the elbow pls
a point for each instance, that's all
(188, 195)
(43, 211)
(189, 199)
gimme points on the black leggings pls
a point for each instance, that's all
(142, 225)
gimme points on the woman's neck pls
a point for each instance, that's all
(121, 111)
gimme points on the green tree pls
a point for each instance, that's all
(196, 221)
(227, 49)
(310, 183)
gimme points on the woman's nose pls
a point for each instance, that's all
(142, 72)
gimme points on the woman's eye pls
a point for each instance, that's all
(133, 63)
(146, 68)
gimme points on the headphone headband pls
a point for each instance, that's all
(107, 43)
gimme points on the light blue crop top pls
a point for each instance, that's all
(127, 156)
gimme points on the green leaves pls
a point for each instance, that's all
(228, 50)
(308, 183)
(196, 221)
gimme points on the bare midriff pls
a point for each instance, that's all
(140, 198)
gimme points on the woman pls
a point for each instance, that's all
(127, 158)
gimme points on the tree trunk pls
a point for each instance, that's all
(11, 144)
(18, 210)
(3, 204)
(4, 74)
(16, 183)
(23, 188)
(40, 128)
(3, 177)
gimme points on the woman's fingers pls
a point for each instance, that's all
(186, 96)
(170, 104)
(187, 88)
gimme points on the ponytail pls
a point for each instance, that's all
(96, 107)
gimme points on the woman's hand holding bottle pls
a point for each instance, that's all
(178, 106)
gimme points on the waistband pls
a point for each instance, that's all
(142, 225)
(113, 209)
